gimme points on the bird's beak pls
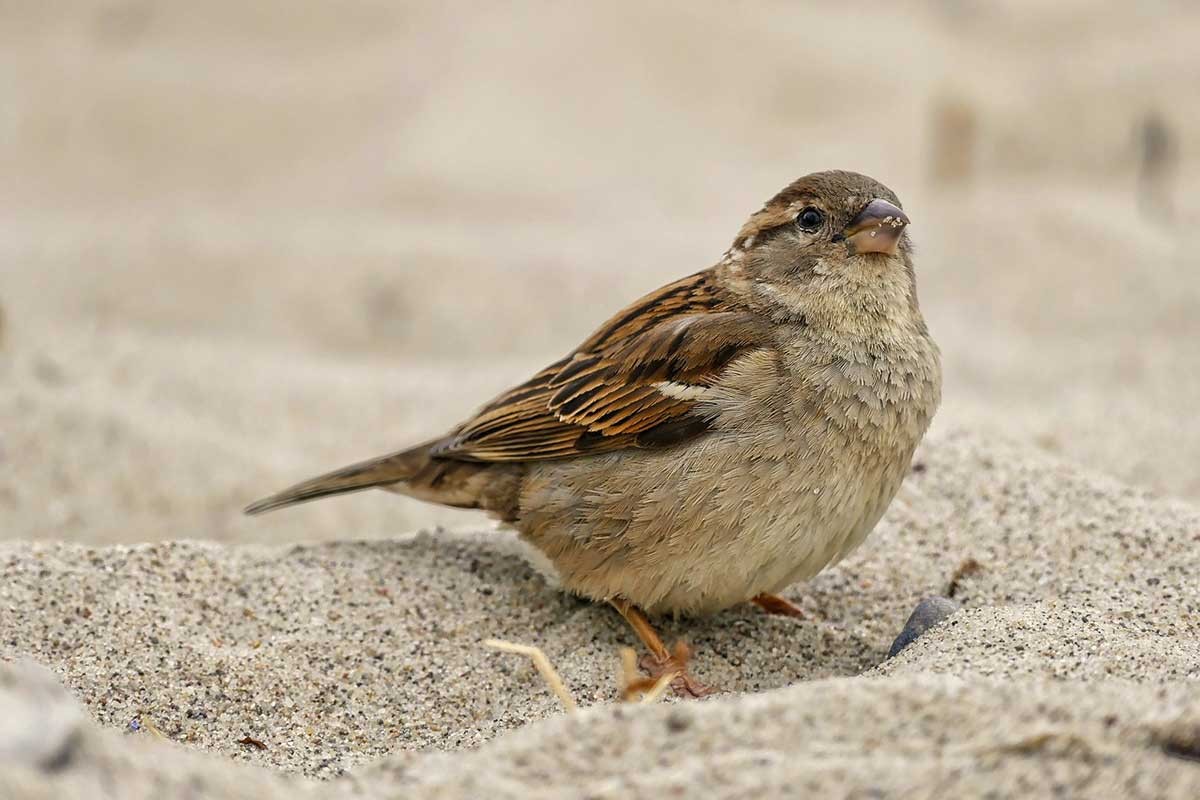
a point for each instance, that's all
(876, 229)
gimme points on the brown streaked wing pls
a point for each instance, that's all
(603, 396)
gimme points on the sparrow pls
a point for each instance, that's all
(718, 440)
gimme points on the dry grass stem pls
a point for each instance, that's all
(634, 687)
(656, 691)
(549, 674)
(634, 684)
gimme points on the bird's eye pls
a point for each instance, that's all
(810, 218)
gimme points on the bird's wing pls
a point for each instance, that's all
(639, 381)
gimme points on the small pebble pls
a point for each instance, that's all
(929, 612)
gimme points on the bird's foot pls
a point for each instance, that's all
(774, 604)
(660, 661)
(675, 663)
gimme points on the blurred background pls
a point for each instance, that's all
(242, 243)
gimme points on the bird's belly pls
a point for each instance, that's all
(700, 528)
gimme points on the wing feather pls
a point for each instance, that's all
(607, 395)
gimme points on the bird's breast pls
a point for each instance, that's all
(878, 397)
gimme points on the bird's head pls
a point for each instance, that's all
(829, 245)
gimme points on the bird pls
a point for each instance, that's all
(718, 440)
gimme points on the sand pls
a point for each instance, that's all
(241, 247)
(1073, 661)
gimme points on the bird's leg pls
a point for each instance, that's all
(774, 604)
(661, 661)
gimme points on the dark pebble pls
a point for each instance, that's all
(929, 612)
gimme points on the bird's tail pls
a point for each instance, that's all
(386, 470)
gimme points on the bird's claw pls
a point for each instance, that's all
(675, 662)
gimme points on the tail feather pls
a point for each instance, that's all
(383, 471)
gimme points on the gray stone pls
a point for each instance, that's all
(929, 612)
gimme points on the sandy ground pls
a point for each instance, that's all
(243, 244)
(1073, 663)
